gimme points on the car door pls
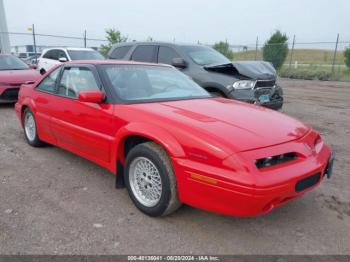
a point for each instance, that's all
(87, 129)
(166, 55)
(44, 95)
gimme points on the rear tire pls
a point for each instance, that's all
(150, 180)
(30, 129)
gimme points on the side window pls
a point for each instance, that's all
(144, 53)
(47, 54)
(76, 79)
(49, 83)
(120, 52)
(51, 54)
(61, 54)
(166, 55)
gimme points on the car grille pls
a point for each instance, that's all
(307, 182)
(262, 91)
(10, 94)
(265, 83)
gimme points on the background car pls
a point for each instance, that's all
(32, 60)
(13, 73)
(170, 141)
(249, 81)
(25, 55)
(53, 56)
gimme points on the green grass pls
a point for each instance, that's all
(302, 56)
(316, 72)
(307, 64)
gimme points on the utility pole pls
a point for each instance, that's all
(256, 47)
(335, 53)
(4, 36)
(85, 38)
(34, 43)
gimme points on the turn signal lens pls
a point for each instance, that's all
(204, 179)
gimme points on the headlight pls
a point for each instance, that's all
(244, 84)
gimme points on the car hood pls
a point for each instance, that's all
(252, 69)
(18, 76)
(256, 69)
(231, 123)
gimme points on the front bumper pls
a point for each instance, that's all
(253, 192)
(252, 96)
(275, 104)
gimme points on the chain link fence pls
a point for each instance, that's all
(305, 60)
(25, 44)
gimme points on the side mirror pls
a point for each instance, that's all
(96, 97)
(33, 66)
(62, 59)
(179, 62)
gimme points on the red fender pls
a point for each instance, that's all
(152, 132)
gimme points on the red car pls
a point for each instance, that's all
(13, 73)
(170, 142)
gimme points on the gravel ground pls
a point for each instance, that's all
(53, 202)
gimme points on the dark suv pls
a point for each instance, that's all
(249, 81)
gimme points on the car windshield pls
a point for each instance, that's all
(143, 83)
(85, 55)
(203, 55)
(8, 62)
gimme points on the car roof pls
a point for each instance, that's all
(70, 48)
(156, 43)
(114, 62)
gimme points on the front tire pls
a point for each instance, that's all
(150, 180)
(30, 129)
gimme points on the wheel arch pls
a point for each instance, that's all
(27, 104)
(136, 133)
(212, 87)
(23, 108)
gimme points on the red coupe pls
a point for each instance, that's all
(169, 142)
(13, 73)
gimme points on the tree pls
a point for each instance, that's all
(113, 36)
(347, 56)
(224, 48)
(275, 49)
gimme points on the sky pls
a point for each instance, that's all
(206, 21)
